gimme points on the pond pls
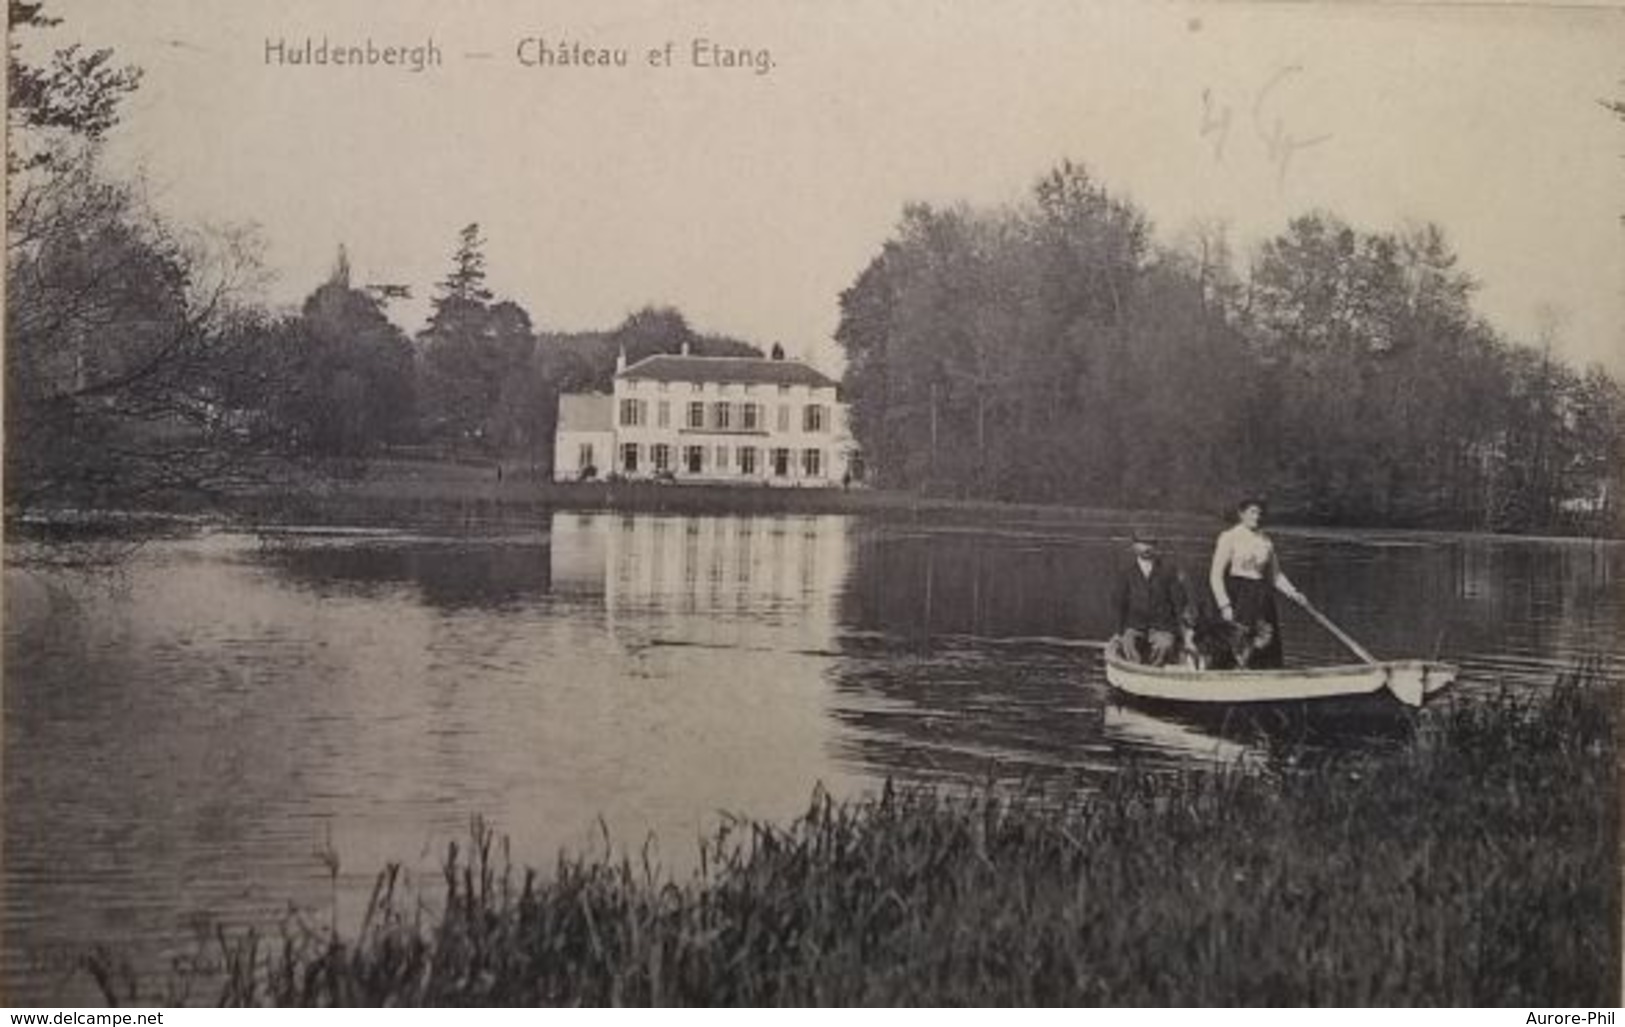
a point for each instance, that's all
(192, 740)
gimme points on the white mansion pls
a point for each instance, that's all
(707, 419)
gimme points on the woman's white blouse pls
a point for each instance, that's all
(1245, 553)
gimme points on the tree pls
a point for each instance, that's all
(663, 329)
(649, 330)
(986, 350)
(132, 374)
(136, 372)
(652, 330)
(1188, 379)
(78, 94)
(1095, 248)
(1048, 351)
(899, 322)
(356, 390)
(1596, 471)
(466, 282)
(1366, 339)
(472, 350)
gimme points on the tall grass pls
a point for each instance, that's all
(1478, 866)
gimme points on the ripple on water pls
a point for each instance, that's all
(184, 743)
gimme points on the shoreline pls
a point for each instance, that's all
(403, 493)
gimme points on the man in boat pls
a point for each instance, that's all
(1151, 603)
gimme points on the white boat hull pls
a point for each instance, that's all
(1409, 681)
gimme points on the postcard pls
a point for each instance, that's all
(885, 503)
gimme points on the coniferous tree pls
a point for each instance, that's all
(473, 349)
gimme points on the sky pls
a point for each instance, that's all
(749, 201)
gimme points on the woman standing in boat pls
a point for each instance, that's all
(1246, 574)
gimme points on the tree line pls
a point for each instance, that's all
(1046, 351)
(142, 368)
(479, 380)
(1051, 351)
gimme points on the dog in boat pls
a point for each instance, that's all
(1213, 643)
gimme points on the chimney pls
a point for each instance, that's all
(778, 352)
(684, 349)
(620, 360)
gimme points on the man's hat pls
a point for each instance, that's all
(1142, 536)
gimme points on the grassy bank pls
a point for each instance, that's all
(444, 493)
(1479, 866)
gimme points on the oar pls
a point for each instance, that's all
(1031, 640)
(1012, 640)
(1049, 641)
(1342, 636)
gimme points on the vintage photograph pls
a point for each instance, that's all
(885, 503)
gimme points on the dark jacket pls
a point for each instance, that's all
(1157, 601)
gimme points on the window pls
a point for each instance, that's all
(748, 416)
(694, 459)
(781, 463)
(660, 456)
(784, 418)
(696, 415)
(749, 388)
(747, 460)
(663, 412)
(629, 458)
(784, 390)
(721, 414)
(632, 385)
(696, 387)
(812, 418)
(584, 458)
(812, 463)
(664, 386)
(633, 412)
(722, 459)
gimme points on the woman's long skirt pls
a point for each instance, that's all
(1252, 604)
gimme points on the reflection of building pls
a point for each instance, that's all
(579, 544)
(762, 575)
(709, 419)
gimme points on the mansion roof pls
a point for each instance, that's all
(672, 367)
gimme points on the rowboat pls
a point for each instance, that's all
(1411, 682)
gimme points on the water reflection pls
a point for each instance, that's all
(444, 573)
(719, 580)
(927, 584)
(180, 745)
(940, 674)
(1151, 737)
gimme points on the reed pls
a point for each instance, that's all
(1478, 865)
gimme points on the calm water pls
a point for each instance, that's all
(181, 742)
